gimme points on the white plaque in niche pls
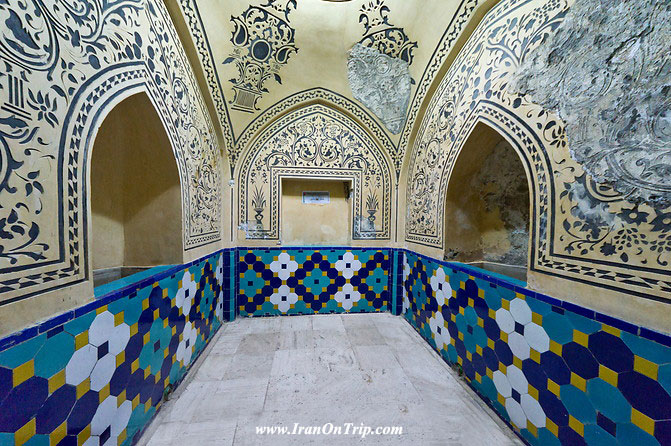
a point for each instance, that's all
(316, 197)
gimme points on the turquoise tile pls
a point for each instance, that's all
(22, 353)
(6, 439)
(645, 348)
(664, 377)
(471, 316)
(581, 323)
(539, 307)
(558, 328)
(608, 400)
(38, 440)
(596, 436)
(493, 298)
(54, 355)
(578, 404)
(547, 438)
(629, 434)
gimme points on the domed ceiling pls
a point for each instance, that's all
(262, 57)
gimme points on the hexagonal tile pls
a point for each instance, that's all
(645, 395)
(611, 351)
(580, 360)
(608, 400)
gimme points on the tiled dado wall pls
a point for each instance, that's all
(280, 281)
(96, 375)
(558, 373)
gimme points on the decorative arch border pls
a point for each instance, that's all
(553, 222)
(316, 96)
(171, 87)
(259, 171)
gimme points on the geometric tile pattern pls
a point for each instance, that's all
(558, 377)
(307, 281)
(98, 378)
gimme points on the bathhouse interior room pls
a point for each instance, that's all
(346, 222)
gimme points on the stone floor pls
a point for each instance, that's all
(312, 370)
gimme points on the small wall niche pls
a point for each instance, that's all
(136, 211)
(487, 206)
(307, 218)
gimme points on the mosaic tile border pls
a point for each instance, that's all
(556, 372)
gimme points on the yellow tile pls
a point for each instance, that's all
(492, 313)
(537, 318)
(502, 368)
(83, 387)
(531, 428)
(135, 365)
(58, 434)
(118, 318)
(471, 303)
(469, 356)
(581, 338)
(23, 372)
(120, 358)
(478, 350)
(121, 398)
(166, 322)
(462, 285)
(520, 296)
(643, 421)
(174, 328)
(535, 356)
(612, 330)
(555, 348)
(147, 405)
(25, 433)
(490, 374)
(81, 340)
(501, 400)
(553, 387)
(461, 336)
(156, 314)
(552, 427)
(576, 425)
(481, 293)
(101, 309)
(533, 392)
(504, 337)
(136, 401)
(146, 338)
(104, 393)
(490, 343)
(84, 435)
(133, 329)
(505, 304)
(145, 303)
(645, 367)
(122, 437)
(578, 382)
(165, 292)
(518, 362)
(57, 381)
(608, 375)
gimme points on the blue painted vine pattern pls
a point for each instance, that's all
(581, 231)
(62, 65)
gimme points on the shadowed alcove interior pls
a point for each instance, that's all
(487, 206)
(136, 208)
(305, 222)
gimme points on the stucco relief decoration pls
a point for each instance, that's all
(580, 229)
(613, 62)
(377, 67)
(263, 41)
(311, 142)
(63, 63)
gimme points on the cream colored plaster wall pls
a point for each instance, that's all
(305, 224)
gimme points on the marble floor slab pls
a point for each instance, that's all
(324, 371)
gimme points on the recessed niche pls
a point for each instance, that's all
(308, 218)
(136, 212)
(487, 206)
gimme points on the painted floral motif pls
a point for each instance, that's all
(521, 406)
(185, 347)
(441, 336)
(284, 266)
(186, 293)
(440, 286)
(97, 359)
(109, 421)
(348, 265)
(284, 298)
(348, 296)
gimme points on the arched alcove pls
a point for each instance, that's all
(487, 205)
(136, 211)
